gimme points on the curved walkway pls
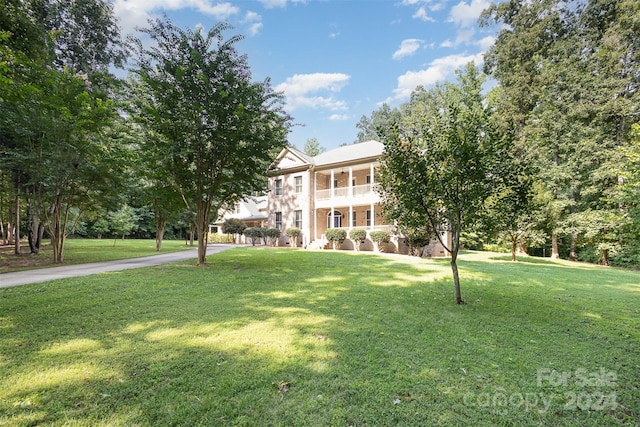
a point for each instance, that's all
(45, 274)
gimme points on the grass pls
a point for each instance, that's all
(81, 251)
(295, 338)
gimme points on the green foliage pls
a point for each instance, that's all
(123, 221)
(376, 126)
(293, 233)
(234, 226)
(312, 147)
(416, 239)
(254, 234)
(335, 234)
(272, 235)
(380, 236)
(571, 135)
(358, 234)
(440, 165)
(219, 131)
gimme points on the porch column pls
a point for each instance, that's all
(373, 215)
(315, 214)
(351, 195)
(331, 186)
(371, 174)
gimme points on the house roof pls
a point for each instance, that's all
(347, 153)
(344, 154)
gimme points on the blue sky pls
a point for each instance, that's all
(336, 60)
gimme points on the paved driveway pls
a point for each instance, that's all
(45, 274)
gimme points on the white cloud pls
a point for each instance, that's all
(464, 36)
(439, 70)
(486, 42)
(422, 14)
(255, 23)
(270, 4)
(133, 13)
(466, 14)
(407, 47)
(300, 88)
(339, 117)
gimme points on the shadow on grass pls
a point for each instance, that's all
(280, 337)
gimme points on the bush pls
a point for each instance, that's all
(272, 234)
(358, 234)
(416, 240)
(293, 233)
(233, 226)
(254, 233)
(380, 238)
(336, 236)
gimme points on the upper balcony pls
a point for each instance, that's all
(344, 196)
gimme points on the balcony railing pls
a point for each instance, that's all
(354, 191)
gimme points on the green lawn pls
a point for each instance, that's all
(80, 251)
(279, 337)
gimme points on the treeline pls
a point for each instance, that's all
(562, 177)
(85, 152)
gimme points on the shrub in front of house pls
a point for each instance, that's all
(272, 235)
(358, 235)
(416, 241)
(293, 233)
(380, 238)
(336, 236)
(254, 234)
(235, 227)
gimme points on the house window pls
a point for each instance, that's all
(278, 185)
(337, 219)
(368, 179)
(368, 218)
(353, 219)
(279, 220)
(237, 208)
(298, 221)
(298, 184)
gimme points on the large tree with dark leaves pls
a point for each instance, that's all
(218, 130)
(569, 73)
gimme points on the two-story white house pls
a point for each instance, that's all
(335, 189)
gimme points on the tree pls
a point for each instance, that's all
(219, 130)
(312, 147)
(573, 95)
(437, 168)
(234, 227)
(57, 123)
(293, 233)
(374, 127)
(123, 221)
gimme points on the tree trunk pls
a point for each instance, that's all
(192, 233)
(34, 228)
(573, 255)
(605, 257)
(160, 224)
(514, 246)
(522, 249)
(555, 253)
(456, 280)
(16, 234)
(202, 226)
(455, 248)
